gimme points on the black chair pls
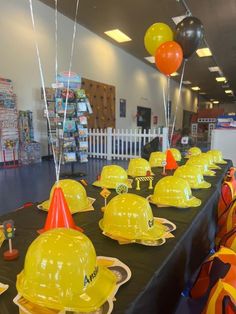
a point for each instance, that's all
(150, 147)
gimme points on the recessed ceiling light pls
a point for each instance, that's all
(174, 74)
(225, 86)
(204, 52)
(150, 59)
(178, 19)
(221, 79)
(202, 93)
(187, 82)
(212, 99)
(214, 69)
(118, 35)
(195, 88)
(228, 91)
(216, 102)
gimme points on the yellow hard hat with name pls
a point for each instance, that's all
(174, 191)
(130, 216)
(193, 175)
(156, 159)
(138, 167)
(112, 176)
(210, 160)
(75, 195)
(61, 272)
(193, 151)
(202, 164)
(176, 154)
(217, 156)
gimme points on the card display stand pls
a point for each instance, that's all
(73, 142)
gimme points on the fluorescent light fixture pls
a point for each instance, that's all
(195, 88)
(204, 52)
(212, 99)
(178, 19)
(187, 82)
(214, 69)
(150, 59)
(202, 93)
(228, 91)
(221, 79)
(118, 35)
(216, 102)
(174, 74)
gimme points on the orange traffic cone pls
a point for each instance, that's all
(170, 161)
(59, 215)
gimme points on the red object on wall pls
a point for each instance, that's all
(155, 120)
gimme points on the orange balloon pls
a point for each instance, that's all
(168, 57)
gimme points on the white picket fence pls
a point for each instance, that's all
(122, 144)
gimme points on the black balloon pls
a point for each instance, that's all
(189, 34)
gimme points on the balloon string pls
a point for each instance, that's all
(68, 84)
(178, 100)
(164, 103)
(42, 82)
(56, 80)
(168, 105)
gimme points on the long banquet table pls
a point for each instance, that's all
(159, 274)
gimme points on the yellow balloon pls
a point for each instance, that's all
(156, 35)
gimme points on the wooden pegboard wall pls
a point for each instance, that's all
(102, 98)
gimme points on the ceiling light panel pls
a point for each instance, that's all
(216, 102)
(214, 69)
(195, 88)
(203, 52)
(228, 91)
(150, 59)
(118, 35)
(174, 74)
(178, 19)
(221, 79)
(187, 82)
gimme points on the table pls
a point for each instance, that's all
(159, 274)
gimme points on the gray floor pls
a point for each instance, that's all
(33, 183)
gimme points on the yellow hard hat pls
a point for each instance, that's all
(210, 160)
(74, 193)
(193, 151)
(130, 216)
(193, 175)
(202, 164)
(61, 272)
(138, 167)
(176, 154)
(217, 156)
(174, 191)
(156, 159)
(112, 176)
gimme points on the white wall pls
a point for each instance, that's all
(94, 58)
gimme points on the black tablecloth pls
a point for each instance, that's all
(159, 274)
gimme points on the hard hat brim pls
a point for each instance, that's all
(89, 206)
(221, 162)
(192, 202)
(93, 297)
(201, 185)
(214, 167)
(156, 166)
(131, 175)
(209, 173)
(158, 231)
(101, 184)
